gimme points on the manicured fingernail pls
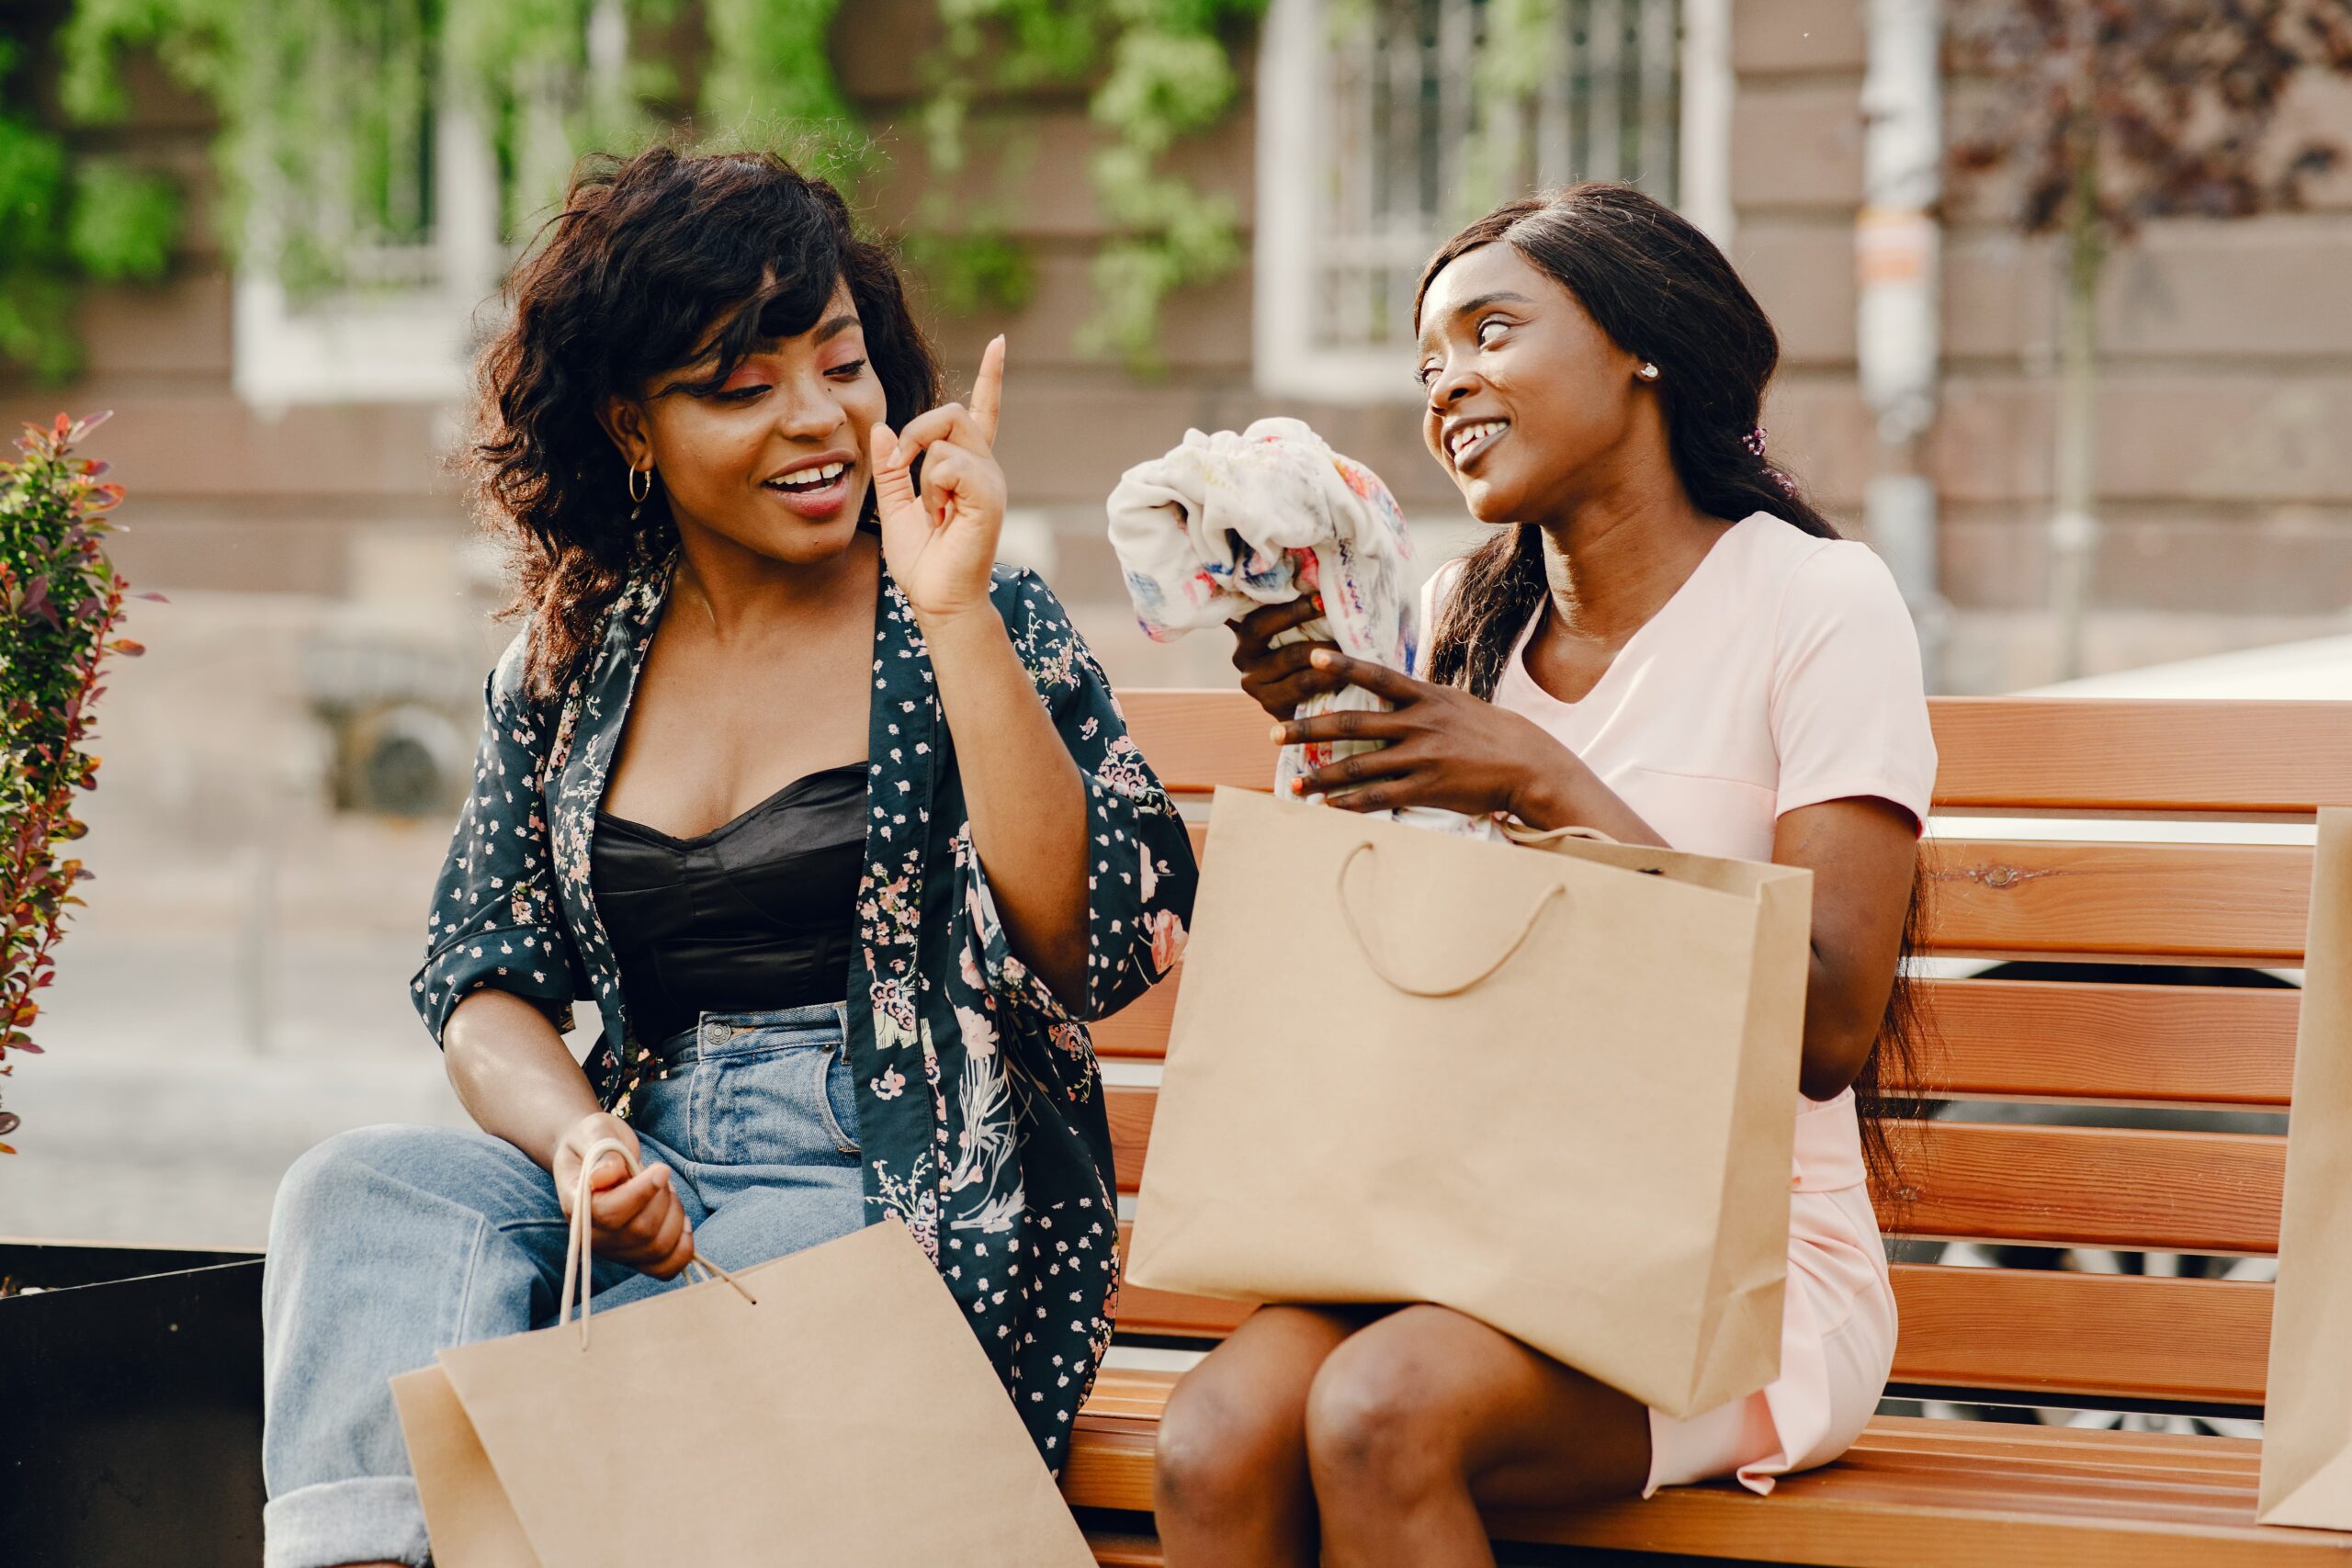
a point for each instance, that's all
(1298, 786)
(1319, 601)
(1275, 733)
(1325, 660)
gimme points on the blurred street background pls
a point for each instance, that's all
(2097, 412)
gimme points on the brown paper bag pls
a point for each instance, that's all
(2307, 1429)
(835, 1410)
(1552, 1087)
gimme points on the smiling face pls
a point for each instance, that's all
(1532, 407)
(773, 458)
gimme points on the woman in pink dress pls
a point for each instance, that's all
(1663, 641)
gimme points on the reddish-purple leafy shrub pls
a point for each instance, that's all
(60, 604)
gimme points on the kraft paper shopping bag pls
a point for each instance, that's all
(1553, 1088)
(2307, 1426)
(829, 1407)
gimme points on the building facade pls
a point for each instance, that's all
(278, 449)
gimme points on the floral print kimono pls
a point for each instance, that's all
(979, 1104)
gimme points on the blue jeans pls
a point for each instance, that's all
(389, 1243)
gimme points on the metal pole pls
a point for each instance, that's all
(1898, 247)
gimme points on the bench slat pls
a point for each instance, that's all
(2121, 1336)
(1995, 753)
(2019, 1039)
(1198, 740)
(2045, 1186)
(2056, 1040)
(2062, 754)
(2238, 903)
(2123, 1188)
(1939, 1494)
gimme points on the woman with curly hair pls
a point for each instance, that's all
(834, 821)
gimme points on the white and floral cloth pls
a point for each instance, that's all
(1226, 523)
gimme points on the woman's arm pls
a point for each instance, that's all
(501, 969)
(513, 1074)
(1021, 790)
(1863, 853)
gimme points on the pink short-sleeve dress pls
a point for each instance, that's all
(1784, 672)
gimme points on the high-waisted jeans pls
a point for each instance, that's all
(389, 1244)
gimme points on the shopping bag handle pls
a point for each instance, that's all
(1380, 967)
(575, 1253)
(1544, 837)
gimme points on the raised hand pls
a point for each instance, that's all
(940, 541)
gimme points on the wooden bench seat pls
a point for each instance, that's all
(1930, 1494)
(1935, 1492)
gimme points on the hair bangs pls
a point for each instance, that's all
(794, 267)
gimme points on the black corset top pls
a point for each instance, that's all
(756, 914)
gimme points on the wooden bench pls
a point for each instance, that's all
(1967, 1493)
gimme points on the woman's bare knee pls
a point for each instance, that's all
(1223, 1446)
(1377, 1425)
(1232, 1458)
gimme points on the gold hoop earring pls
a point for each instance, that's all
(633, 495)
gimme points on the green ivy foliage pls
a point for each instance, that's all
(771, 67)
(64, 222)
(1161, 70)
(327, 110)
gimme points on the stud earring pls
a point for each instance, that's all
(1648, 372)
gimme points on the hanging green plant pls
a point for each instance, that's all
(60, 604)
(1164, 71)
(65, 221)
(330, 108)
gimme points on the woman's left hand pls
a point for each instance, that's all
(1446, 749)
(940, 542)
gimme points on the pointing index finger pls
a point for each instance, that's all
(988, 388)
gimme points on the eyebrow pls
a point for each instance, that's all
(823, 334)
(1499, 297)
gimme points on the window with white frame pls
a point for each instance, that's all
(1383, 125)
(369, 285)
(395, 323)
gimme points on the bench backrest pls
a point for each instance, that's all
(2067, 1335)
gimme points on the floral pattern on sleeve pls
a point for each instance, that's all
(495, 921)
(979, 1104)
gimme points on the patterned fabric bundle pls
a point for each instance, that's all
(1226, 523)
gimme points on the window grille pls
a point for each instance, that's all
(1412, 117)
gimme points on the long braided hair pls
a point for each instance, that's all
(1665, 293)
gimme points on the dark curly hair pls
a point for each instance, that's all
(652, 258)
(1662, 290)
